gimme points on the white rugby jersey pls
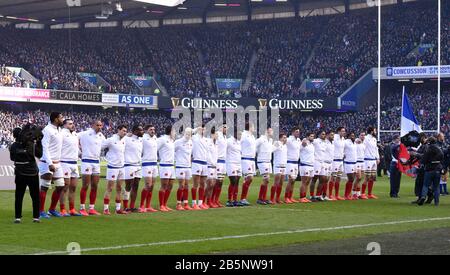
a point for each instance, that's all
(183, 152)
(339, 144)
(280, 155)
(200, 148)
(329, 152)
(91, 144)
(150, 148)
(248, 144)
(70, 145)
(360, 151)
(116, 151)
(350, 154)
(51, 144)
(307, 153)
(264, 149)
(166, 150)
(293, 148)
(320, 147)
(133, 150)
(371, 148)
(221, 146)
(213, 150)
(234, 151)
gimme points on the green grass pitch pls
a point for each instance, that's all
(193, 232)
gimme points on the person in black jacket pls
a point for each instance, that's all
(395, 174)
(420, 171)
(432, 161)
(23, 153)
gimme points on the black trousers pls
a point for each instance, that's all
(395, 179)
(419, 182)
(21, 186)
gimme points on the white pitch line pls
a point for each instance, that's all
(299, 231)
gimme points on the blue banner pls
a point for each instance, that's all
(316, 84)
(89, 77)
(142, 81)
(138, 100)
(225, 84)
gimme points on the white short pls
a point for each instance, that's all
(306, 171)
(248, 167)
(279, 169)
(150, 171)
(44, 169)
(183, 173)
(326, 169)
(90, 168)
(349, 168)
(292, 170)
(234, 170)
(265, 168)
(132, 172)
(70, 170)
(114, 174)
(167, 172)
(221, 170)
(212, 173)
(199, 169)
(370, 165)
(337, 167)
(359, 166)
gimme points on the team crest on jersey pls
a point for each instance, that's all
(182, 173)
(67, 173)
(87, 170)
(113, 176)
(166, 174)
(198, 171)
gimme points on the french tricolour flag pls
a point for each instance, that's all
(409, 122)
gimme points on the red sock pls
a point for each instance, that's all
(162, 195)
(62, 207)
(125, 204)
(194, 194)
(180, 194)
(291, 193)
(133, 204)
(55, 199)
(93, 196)
(201, 193)
(166, 196)
(83, 195)
(348, 188)
(371, 183)
(266, 187)
(311, 193)
(337, 186)
(230, 192)
(273, 192)
(185, 194)
(143, 197)
(303, 195)
(245, 189)
(324, 189)
(279, 189)
(261, 192)
(330, 188)
(363, 190)
(42, 197)
(235, 192)
(106, 201)
(286, 194)
(71, 206)
(148, 201)
(219, 191)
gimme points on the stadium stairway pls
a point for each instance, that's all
(248, 79)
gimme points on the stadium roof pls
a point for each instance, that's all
(49, 11)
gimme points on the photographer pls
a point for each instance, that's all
(420, 171)
(23, 153)
(432, 161)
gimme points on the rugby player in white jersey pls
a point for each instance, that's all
(115, 173)
(264, 149)
(213, 157)
(248, 150)
(337, 168)
(306, 165)
(199, 168)
(91, 146)
(50, 169)
(133, 167)
(322, 189)
(183, 166)
(234, 168)
(293, 150)
(279, 168)
(320, 174)
(69, 164)
(371, 161)
(350, 160)
(149, 168)
(166, 153)
(360, 151)
(221, 164)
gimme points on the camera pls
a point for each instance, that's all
(412, 139)
(30, 134)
